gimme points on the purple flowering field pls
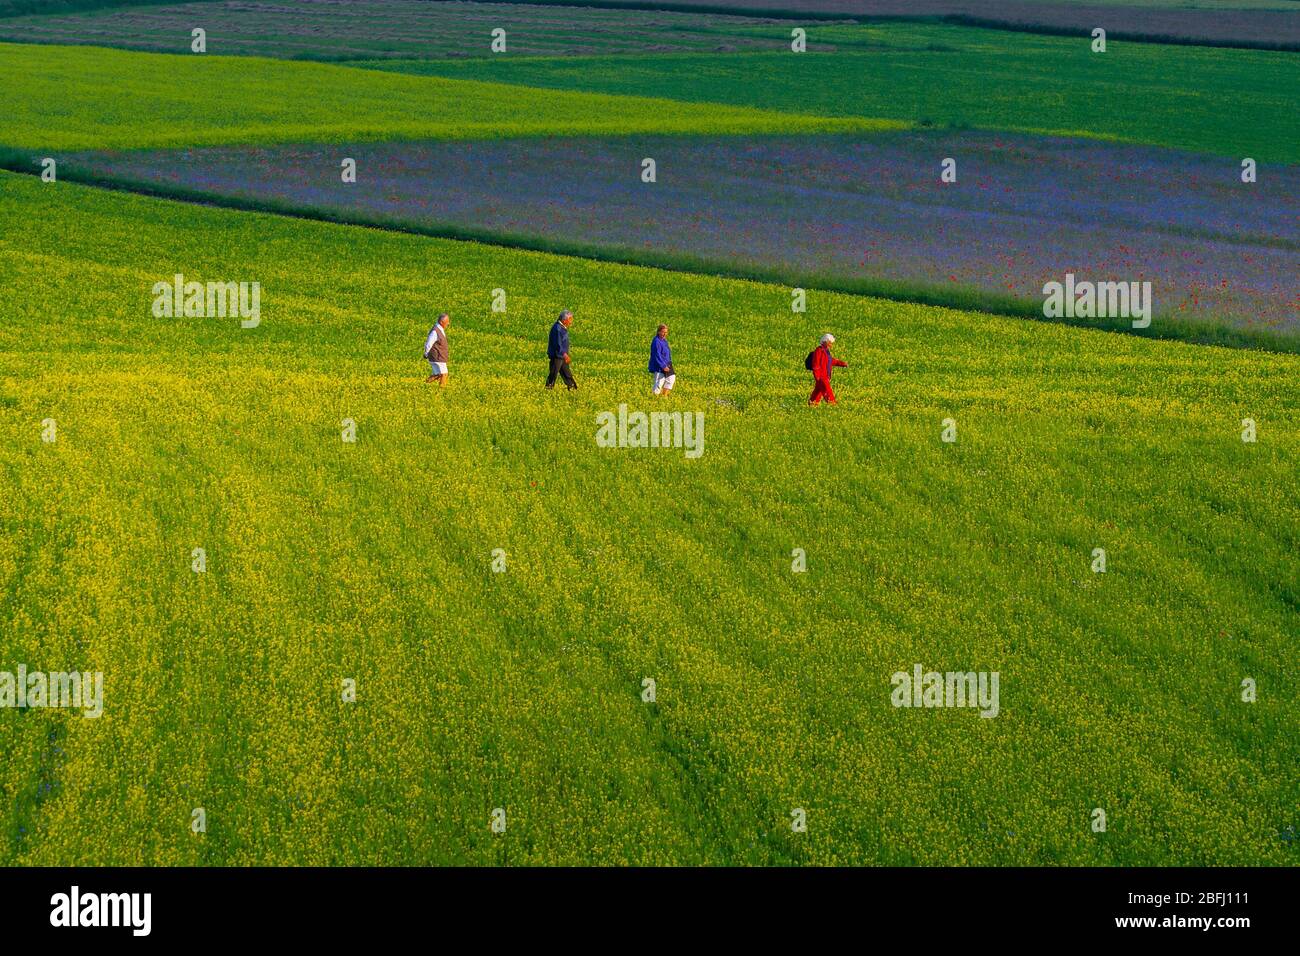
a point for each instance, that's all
(363, 29)
(1226, 22)
(834, 209)
(352, 29)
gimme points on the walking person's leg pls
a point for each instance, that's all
(819, 389)
(567, 374)
(556, 365)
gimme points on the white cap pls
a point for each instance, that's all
(827, 338)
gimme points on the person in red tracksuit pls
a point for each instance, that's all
(822, 363)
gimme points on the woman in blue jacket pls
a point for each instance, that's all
(661, 363)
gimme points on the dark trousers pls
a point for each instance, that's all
(561, 368)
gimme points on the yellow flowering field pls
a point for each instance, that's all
(78, 97)
(505, 595)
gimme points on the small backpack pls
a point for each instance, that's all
(808, 362)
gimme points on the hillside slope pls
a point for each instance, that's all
(523, 689)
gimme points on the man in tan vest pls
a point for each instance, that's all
(436, 350)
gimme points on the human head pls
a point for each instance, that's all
(566, 317)
(828, 339)
(662, 331)
(444, 320)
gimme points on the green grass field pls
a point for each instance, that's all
(89, 98)
(522, 690)
(1234, 103)
(1230, 102)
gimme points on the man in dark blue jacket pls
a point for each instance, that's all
(557, 350)
(661, 363)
